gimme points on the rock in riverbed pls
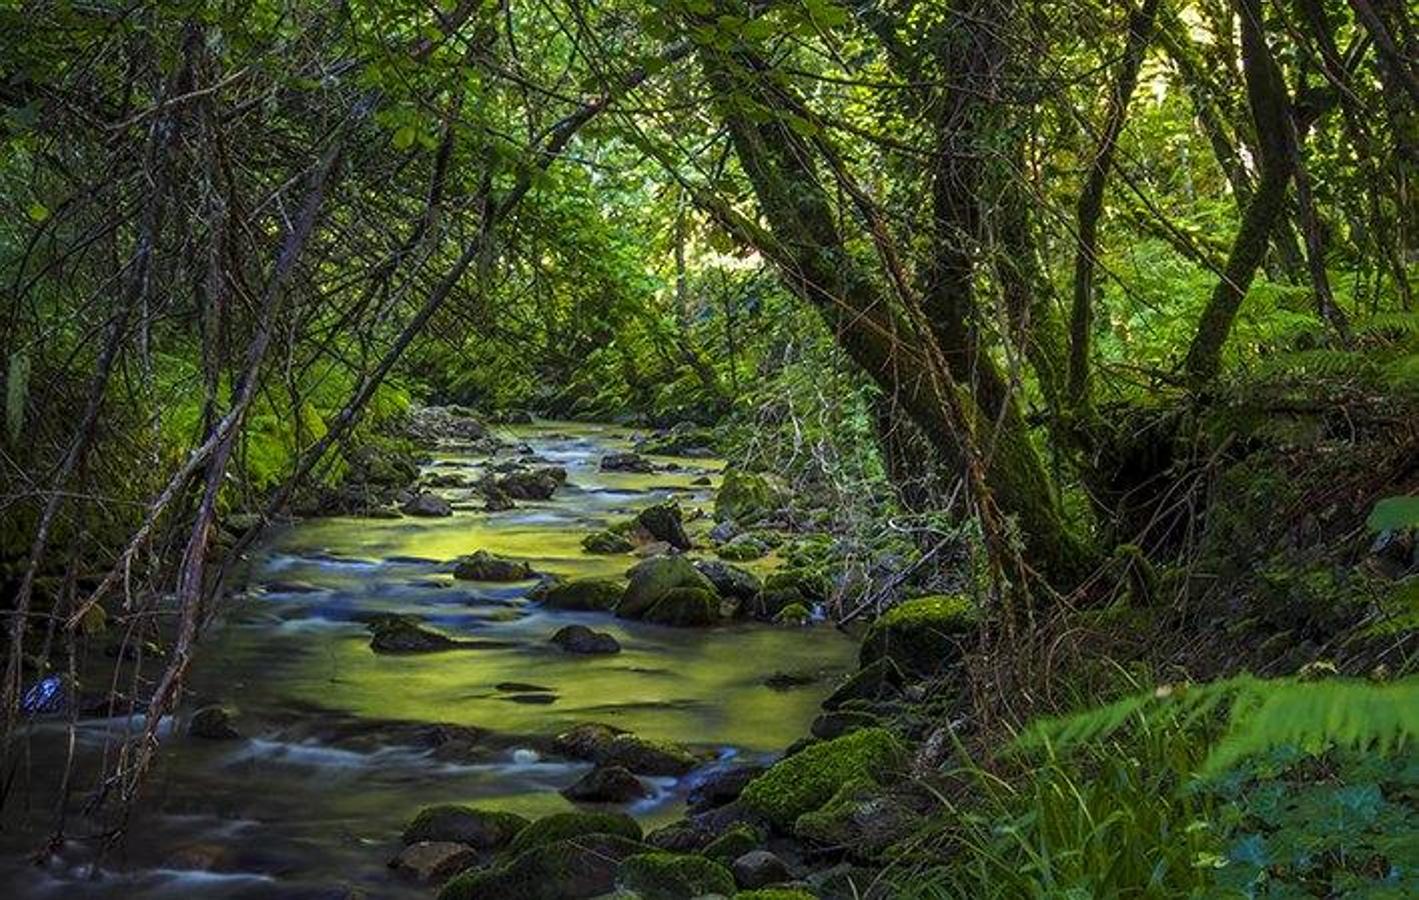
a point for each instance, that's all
(427, 505)
(580, 639)
(484, 566)
(433, 862)
(605, 784)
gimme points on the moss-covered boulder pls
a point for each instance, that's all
(809, 583)
(839, 722)
(579, 594)
(861, 816)
(685, 607)
(921, 636)
(664, 522)
(653, 579)
(608, 746)
(607, 542)
(746, 497)
(793, 614)
(484, 566)
(878, 680)
(560, 826)
(730, 581)
(742, 548)
(776, 894)
(674, 876)
(571, 869)
(486, 829)
(733, 844)
(805, 781)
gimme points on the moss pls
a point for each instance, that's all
(591, 594)
(809, 583)
(685, 606)
(488, 829)
(674, 876)
(830, 823)
(743, 548)
(745, 497)
(921, 636)
(808, 779)
(560, 826)
(776, 894)
(607, 542)
(794, 614)
(733, 844)
(645, 756)
(581, 867)
(653, 579)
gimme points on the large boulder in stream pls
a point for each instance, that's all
(565, 825)
(572, 869)
(484, 566)
(485, 829)
(685, 607)
(652, 580)
(609, 746)
(579, 594)
(730, 581)
(533, 484)
(663, 522)
(433, 862)
(395, 633)
(626, 462)
(922, 636)
(605, 784)
(674, 876)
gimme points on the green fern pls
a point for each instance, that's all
(1260, 715)
(1393, 324)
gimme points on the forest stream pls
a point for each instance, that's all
(339, 746)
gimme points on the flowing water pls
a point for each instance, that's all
(339, 745)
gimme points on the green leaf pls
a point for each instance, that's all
(38, 211)
(1394, 514)
(404, 137)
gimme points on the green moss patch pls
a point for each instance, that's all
(921, 636)
(483, 828)
(805, 781)
(674, 876)
(560, 826)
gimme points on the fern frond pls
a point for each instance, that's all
(1320, 362)
(1259, 715)
(1391, 323)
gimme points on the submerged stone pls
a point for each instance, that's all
(213, 723)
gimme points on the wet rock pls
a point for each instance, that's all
(879, 680)
(862, 817)
(433, 862)
(840, 722)
(767, 605)
(626, 462)
(212, 723)
(653, 579)
(573, 869)
(605, 784)
(685, 607)
(608, 746)
(921, 636)
(564, 825)
(534, 699)
(607, 542)
(702, 481)
(733, 844)
(729, 580)
(670, 876)
(496, 500)
(580, 639)
(522, 687)
(664, 522)
(537, 484)
(484, 566)
(743, 548)
(395, 633)
(722, 787)
(430, 424)
(381, 465)
(427, 505)
(746, 497)
(793, 614)
(484, 829)
(760, 868)
(448, 480)
(200, 858)
(654, 548)
(698, 832)
(581, 594)
(724, 532)
(684, 439)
